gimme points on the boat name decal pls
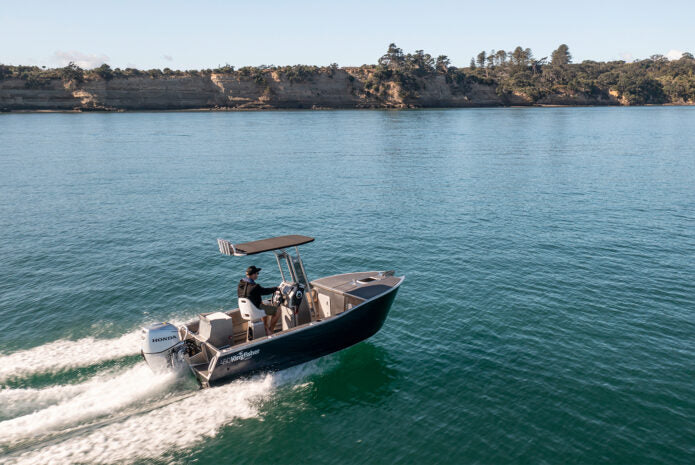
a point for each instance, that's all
(240, 356)
(160, 339)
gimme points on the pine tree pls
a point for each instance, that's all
(481, 59)
(561, 56)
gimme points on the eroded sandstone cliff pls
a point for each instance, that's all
(343, 88)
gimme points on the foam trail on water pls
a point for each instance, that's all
(101, 396)
(14, 402)
(173, 427)
(63, 354)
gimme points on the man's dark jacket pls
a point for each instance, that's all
(253, 291)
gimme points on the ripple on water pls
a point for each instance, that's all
(546, 316)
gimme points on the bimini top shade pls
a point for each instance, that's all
(264, 245)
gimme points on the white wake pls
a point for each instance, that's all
(65, 354)
(119, 415)
(98, 397)
(15, 402)
(151, 434)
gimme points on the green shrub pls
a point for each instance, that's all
(104, 71)
(72, 73)
(5, 72)
(36, 80)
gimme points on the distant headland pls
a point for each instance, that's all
(397, 80)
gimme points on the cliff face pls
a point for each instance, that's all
(436, 92)
(579, 99)
(341, 89)
(149, 94)
(15, 96)
(321, 91)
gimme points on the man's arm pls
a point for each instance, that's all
(266, 290)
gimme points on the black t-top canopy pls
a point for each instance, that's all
(264, 245)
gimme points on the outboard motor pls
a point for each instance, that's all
(161, 347)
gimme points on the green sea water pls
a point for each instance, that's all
(548, 312)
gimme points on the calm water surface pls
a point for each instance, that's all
(548, 314)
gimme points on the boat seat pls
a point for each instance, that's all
(249, 311)
(216, 328)
(254, 315)
(240, 326)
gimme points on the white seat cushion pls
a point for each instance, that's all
(249, 311)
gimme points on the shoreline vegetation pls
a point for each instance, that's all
(397, 80)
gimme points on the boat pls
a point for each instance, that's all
(317, 318)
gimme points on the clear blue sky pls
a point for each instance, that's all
(204, 34)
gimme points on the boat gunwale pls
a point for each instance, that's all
(328, 288)
(311, 324)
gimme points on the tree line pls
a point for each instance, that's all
(517, 71)
(654, 80)
(520, 57)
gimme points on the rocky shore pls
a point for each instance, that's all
(343, 88)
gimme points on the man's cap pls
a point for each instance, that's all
(252, 270)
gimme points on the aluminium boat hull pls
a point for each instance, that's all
(305, 343)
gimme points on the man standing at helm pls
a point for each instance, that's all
(248, 288)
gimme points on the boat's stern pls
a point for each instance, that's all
(162, 348)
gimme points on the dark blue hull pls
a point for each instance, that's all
(305, 343)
